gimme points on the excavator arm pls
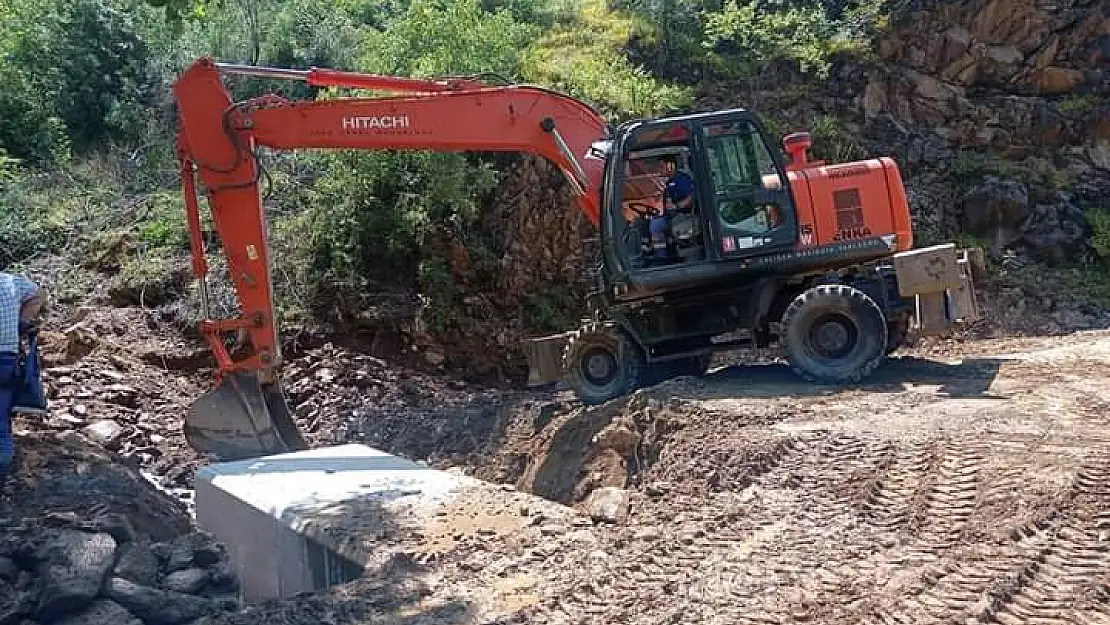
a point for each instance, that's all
(246, 415)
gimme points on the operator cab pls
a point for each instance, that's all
(679, 234)
(741, 209)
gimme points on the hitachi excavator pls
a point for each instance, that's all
(766, 249)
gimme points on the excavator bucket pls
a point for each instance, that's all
(242, 418)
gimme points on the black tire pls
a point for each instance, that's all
(602, 363)
(897, 332)
(834, 334)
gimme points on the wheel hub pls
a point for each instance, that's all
(599, 366)
(833, 336)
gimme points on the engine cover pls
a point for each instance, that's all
(848, 201)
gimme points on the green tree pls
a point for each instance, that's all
(71, 72)
(440, 37)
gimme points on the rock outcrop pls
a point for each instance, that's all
(997, 73)
(1010, 100)
(68, 571)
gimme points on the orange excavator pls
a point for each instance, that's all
(706, 231)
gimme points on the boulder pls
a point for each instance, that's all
(608, 504)
(105, 432)
(953, 44)
(80, 342)
(138, 564)
(222, 579)
(74, 567)
(161, 607)
(101, 612)
(995, 208)
(195, 549)
(186, 581)
(1055, 80)
(620, 437)
(1055, 232)
(9, 571)
(1047, 54)
(1000, 64)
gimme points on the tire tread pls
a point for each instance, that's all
(824, 291)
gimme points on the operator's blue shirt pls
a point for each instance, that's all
(14, 291)
(680, 186)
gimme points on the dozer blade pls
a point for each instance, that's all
(242, 419)
(545, 358)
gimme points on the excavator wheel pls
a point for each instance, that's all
(242, 418)
(602, 363)
(834, 334)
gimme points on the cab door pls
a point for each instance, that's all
(744, 185)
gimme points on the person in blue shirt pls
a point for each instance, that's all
(680, 185)
(678, 195)
(20, 303)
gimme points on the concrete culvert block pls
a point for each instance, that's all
(303, 521)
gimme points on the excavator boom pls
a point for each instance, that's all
(246, 415)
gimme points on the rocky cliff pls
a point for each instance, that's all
(1008, 99)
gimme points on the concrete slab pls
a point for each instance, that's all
(302, 521)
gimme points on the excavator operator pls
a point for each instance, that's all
(680, 185)
(678, 196)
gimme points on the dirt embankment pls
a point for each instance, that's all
(84, 539)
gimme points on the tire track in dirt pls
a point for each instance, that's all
(834, 476)
(819, 490)
(716, 551)
(723, 557)
(953, 493)
(893, 495)
(688, 544)
(1059, 582)
(1041, 576)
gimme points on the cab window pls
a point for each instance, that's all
(740, 163)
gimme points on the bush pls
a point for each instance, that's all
(70, 73)
(750, 35)
(584, 58)
(448, 37)
(1099, 220)
(366, 224)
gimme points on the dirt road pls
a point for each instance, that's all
(970, 492)
(944, 490)
(967, 492)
